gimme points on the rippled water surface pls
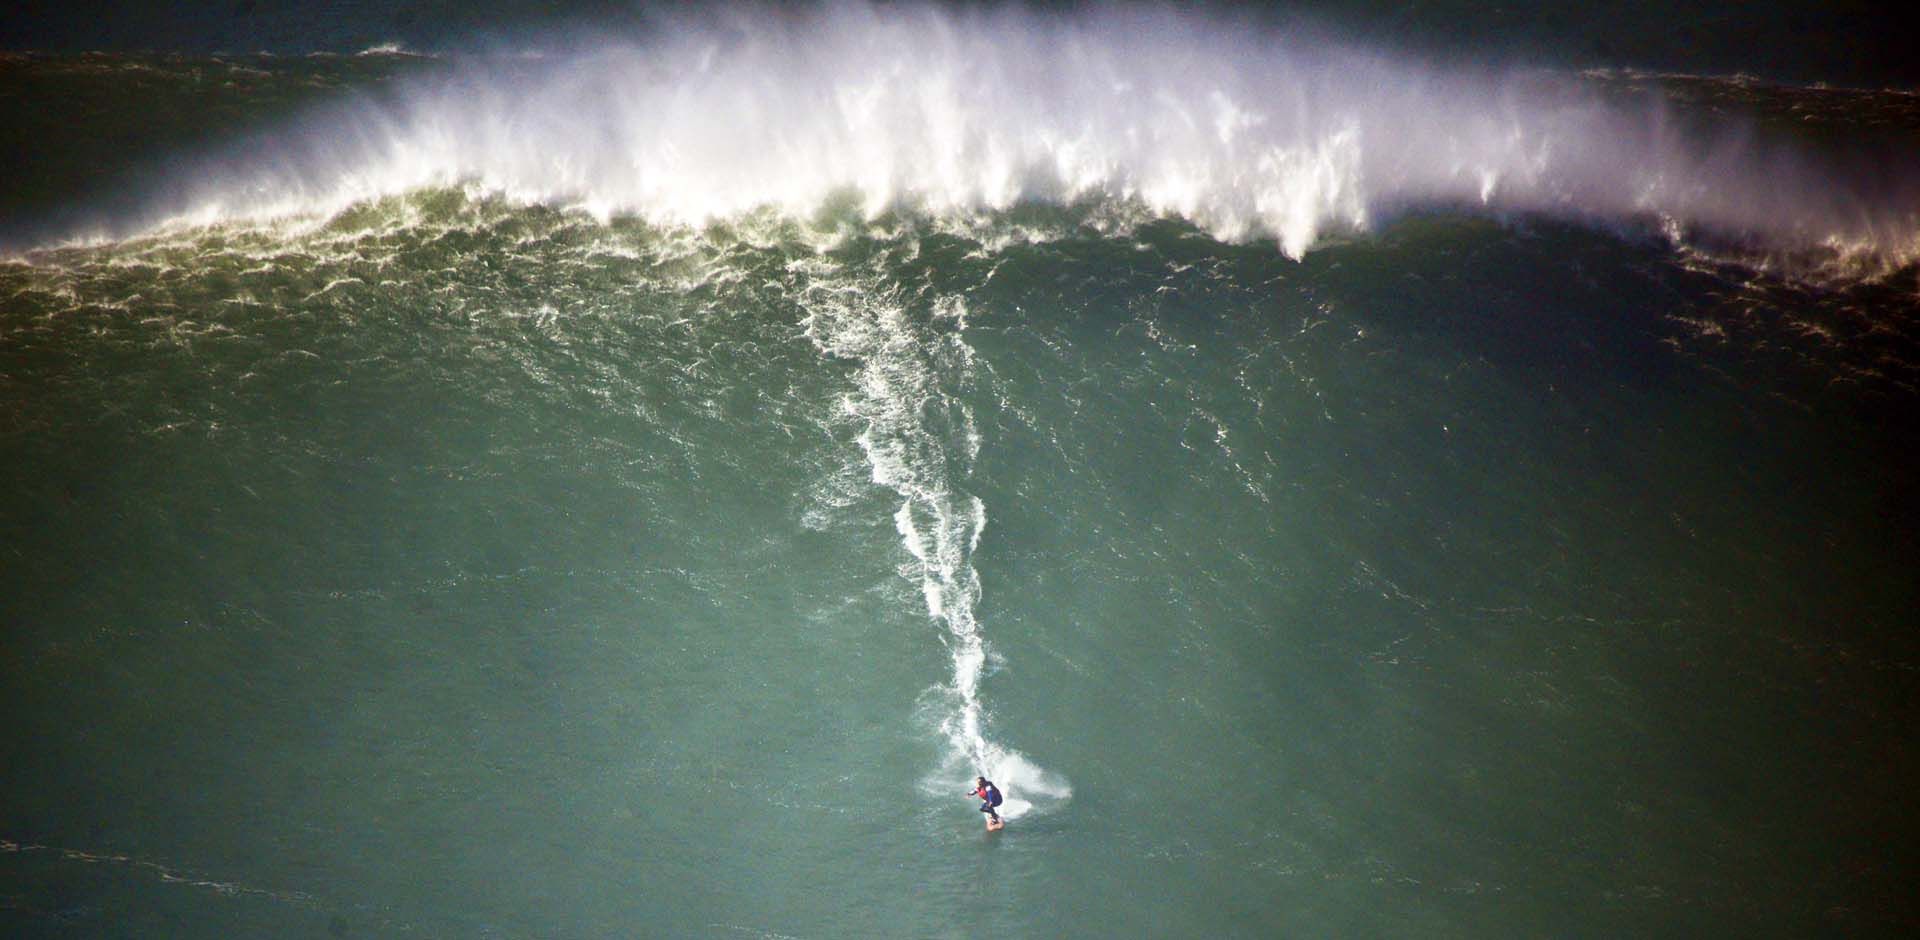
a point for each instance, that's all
(411, 524)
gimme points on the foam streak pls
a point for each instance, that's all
(920, 442)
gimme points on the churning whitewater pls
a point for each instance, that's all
(1246, 132)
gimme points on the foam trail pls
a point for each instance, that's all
(920, 441)
(1248, 132)
(163, 872)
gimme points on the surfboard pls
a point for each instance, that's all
(995, 825)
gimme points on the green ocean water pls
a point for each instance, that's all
(460, 564)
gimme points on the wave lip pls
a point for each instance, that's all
(1247, 132)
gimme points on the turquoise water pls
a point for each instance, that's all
(401, 542)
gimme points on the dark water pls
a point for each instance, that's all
(631, 493)
(1843, 42)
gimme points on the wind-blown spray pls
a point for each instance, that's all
(1245, 132)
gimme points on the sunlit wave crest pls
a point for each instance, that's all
(1247, 132)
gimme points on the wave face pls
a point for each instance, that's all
(460, 562)
(458, 536)
(1247, 131)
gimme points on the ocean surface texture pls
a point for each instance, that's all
(626, 480)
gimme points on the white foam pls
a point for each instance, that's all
(1026, 786)
(1248, 132)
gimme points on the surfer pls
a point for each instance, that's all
(989, 798)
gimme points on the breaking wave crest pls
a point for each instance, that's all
(1249, 132)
